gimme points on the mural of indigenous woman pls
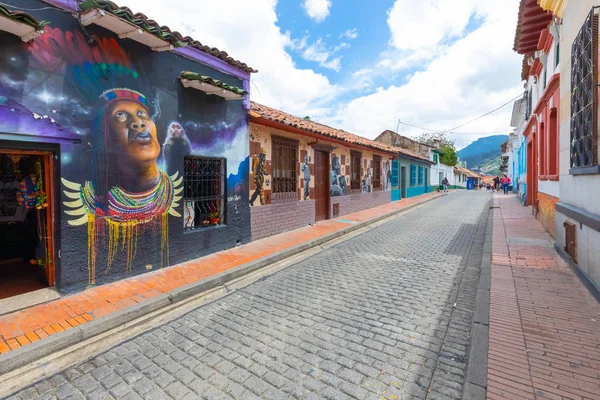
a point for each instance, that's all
(121, 126)
(127, 193)
(128, 189)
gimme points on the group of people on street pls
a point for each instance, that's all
(501, 183)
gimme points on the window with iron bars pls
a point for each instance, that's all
(584, 96)
(284, 159)
(204, 192)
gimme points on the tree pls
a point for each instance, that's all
(430, 138)
(449, 158)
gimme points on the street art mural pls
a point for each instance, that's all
(305, 168)
(176, 146)
(387, 176)
(110, 104)
(338, 186)
(366, 181)
(258, 177)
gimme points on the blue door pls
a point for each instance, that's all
(395, 180)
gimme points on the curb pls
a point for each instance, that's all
(475, 387)
(26, 355)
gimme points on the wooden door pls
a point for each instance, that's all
(48, 215)
(321, 194)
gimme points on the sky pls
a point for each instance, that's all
(364, 65)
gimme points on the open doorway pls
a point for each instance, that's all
(26, 229)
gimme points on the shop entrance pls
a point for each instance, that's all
(26, 228)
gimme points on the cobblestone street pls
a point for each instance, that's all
(386, 314)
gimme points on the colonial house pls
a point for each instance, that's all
(578, 210)
(124, 138)
(302, 171)
(412, 167)
(537, 40)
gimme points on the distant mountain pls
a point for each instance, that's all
(484, 153)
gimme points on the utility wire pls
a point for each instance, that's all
(488, 113)
(453, 133)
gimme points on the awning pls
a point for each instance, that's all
(128, 25)
(211, 86)
(20, 24)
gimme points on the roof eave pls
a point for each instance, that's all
(261, 120)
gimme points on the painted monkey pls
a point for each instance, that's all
(176, 146)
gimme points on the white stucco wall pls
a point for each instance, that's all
(580, 191)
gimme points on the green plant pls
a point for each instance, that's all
(449, 158)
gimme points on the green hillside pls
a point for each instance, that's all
(484, 153)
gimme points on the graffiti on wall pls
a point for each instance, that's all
(387, 176)
(258, 176)
(305, 168)
(366, 181)
(338, 185)
(120, 183)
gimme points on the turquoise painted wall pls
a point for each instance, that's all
(419, 187)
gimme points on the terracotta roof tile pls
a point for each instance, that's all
(532, 19)
(22, 17)
(164, 32)
(284, 118)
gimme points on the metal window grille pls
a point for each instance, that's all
(376, 172)
(584, 94)
(420, 175)
(285, 161)
(413, 175)
(355, 167)
(204, 192)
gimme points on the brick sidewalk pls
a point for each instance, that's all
(544, 332)
(38, 322)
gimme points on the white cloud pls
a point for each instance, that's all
(247, 31)
(318, 10)
(319, 52)
(458, 82)
(450, 81)
(423, 23)
(350, 34)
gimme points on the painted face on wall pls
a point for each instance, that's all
(176, 130)
(133, 131)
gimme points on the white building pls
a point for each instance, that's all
(578, 210)
(440, 171)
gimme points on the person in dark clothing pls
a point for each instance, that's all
(445, 183)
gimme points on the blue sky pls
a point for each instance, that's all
(431, 63)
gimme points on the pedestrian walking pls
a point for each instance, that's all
(496, 183)
(505, 182)
(445, 183)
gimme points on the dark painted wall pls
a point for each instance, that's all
(50, 91)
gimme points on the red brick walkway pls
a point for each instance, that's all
(544, 325)
(35, 323)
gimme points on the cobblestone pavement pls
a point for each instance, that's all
(386, 314)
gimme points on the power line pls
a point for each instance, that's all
(453, 133)
(488, 113)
